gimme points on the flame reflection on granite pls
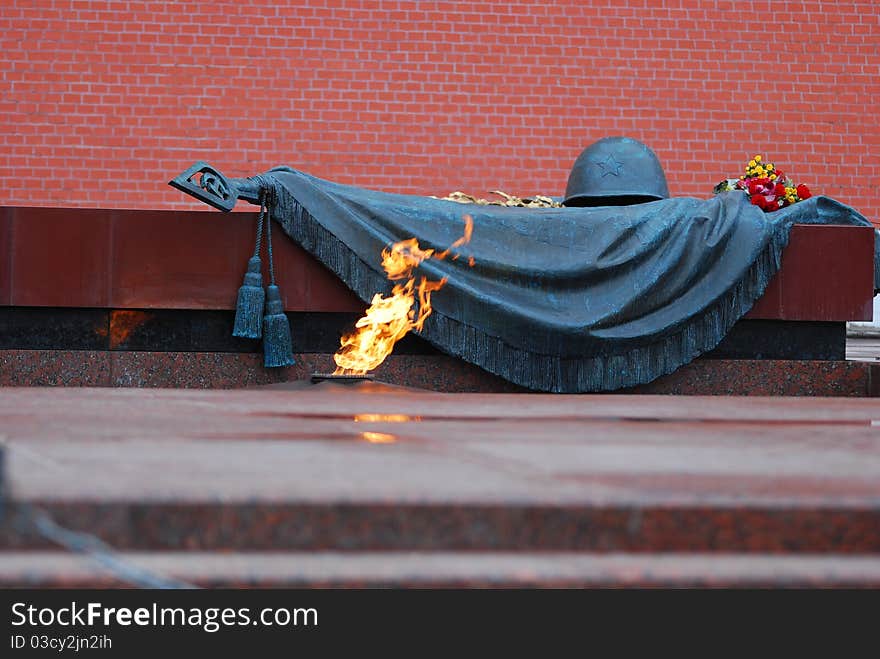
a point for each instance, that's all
(379, 437)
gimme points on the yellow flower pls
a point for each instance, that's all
(752, 163)
(757, 158)
(770, 166)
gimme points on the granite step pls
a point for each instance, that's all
(461, 526)
(378, 468)
(448, 570)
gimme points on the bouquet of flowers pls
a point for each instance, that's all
(768, 188)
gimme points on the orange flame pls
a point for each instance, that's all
(388, 320)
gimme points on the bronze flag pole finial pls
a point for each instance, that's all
(209, 185)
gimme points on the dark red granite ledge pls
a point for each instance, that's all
(67, 368)
(817, 280)
(450, 570)
(143, 259)
(457, 526)
(214, 370)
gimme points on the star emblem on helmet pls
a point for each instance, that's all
(610, 166)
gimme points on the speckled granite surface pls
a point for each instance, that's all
(68, 368)
(373, 467)
(222, 370)
(369, 484)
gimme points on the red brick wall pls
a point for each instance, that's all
(103, 102)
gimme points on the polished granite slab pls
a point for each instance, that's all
(373, 467)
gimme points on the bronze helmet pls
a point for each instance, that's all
(615, 171)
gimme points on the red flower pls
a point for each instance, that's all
(803, 191)
(772, 206)
(779, 190)
(759, 200)
(759, 185)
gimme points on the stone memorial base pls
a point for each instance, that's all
(215, 370)
(395, 482)
(144, 298)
